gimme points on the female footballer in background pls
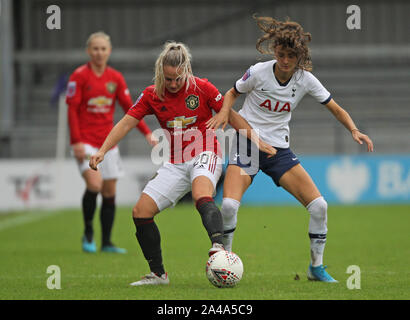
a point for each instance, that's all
(182, 104)
(273, 90)
(92, 91)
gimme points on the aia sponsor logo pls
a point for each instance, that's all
(278, 107)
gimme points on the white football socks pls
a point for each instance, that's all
(229, 210)
(317, 229)
(317, 226)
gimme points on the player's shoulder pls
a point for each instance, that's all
(306, 73)
(205, 88)
(150, 89)
(81, 71)
(149, 93)
(258, 69)
(147, 96)
(114, 72)
(263, 66)
(203, 83)
(306, 76)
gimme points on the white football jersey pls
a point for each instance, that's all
(268, 104)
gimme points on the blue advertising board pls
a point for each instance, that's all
(367, 179)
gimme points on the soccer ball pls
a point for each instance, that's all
(224, 269)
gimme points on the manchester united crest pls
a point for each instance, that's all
(192, 102)
(111, 86)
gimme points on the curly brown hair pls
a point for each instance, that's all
(288, 34)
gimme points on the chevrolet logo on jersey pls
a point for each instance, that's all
(181, 122)
(100, 102)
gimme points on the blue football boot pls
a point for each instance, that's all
(113, 249)
(89, 247)
(319, 274)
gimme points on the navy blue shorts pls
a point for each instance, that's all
(246, 155)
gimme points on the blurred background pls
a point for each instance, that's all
(367, 71)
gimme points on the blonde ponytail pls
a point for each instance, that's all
(174, 54)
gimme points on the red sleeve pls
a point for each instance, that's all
(215, 98)
(141, 107)
(73, 100)
(123, 94)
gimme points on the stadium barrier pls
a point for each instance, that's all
(47, 183)
(373, 179)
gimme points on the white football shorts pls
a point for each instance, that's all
(110, 168)
(173, 181)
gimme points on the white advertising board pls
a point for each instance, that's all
(47, 183)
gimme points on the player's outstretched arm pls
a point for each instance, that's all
(222, 117)
(345, 119)
(116, 134)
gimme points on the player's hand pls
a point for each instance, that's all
(360, 137)
(95, 159)
(267, 148)
(152, 140)
(79, 151)
(220, 119)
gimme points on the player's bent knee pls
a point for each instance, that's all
(94, 185)
(229, 208)
(135, 212)
(145, 208)
(108, 192)
(138, 212)
(318, 208)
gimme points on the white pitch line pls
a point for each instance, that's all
(26, 218)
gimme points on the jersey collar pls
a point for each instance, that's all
(282, 84)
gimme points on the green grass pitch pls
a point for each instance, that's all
(271, 241)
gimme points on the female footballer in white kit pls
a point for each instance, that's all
(273, 90)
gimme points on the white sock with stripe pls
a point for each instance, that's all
(317, 229)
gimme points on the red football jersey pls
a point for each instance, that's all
(183, 115)
(91, 103)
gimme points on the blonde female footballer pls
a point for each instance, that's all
(182, 104)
